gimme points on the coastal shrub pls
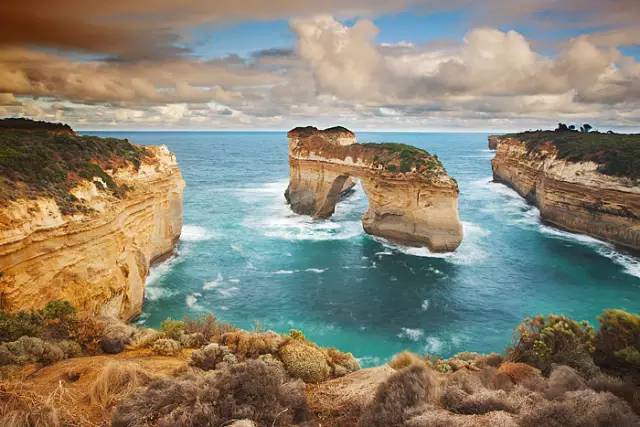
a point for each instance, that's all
(623, 388)
(166, 347)
(22, 323)
(250, 345)
(563, 379)
(482, 402)
(195, 340)
(69, 348)
(29, 350)
(305, 361)
(208, 326)
(583, 408)
(116, 381)
(296, 334)
(542, 341)
(617, 343)
(406, 388)
(518, 372)
(172, 329)
(209, 357)
(404, 359)
(341, 363)
(88, 332)
(250, 390)
(46, 164)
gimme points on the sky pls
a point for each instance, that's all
(413, 65)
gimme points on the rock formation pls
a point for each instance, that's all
(96, 256)
(412, 200)
(493, 141)
(571, 193)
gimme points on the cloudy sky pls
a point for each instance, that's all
(378, 64)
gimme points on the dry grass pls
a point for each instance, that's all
(117, 380)
(23, 408)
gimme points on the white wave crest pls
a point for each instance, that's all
(213, 283)
(316, 270)
(470, 251)
(195, 233)
(275, 219)
(629, 263)
(411, 334)
(433, 345)
(425, 305)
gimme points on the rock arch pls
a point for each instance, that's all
(412, 200)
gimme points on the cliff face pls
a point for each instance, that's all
(573, 195)
(412, 200)
(97, 258)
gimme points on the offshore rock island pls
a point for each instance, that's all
(583, 182)
(82, 218)
(412, 200)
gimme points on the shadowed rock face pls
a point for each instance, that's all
(412, 200)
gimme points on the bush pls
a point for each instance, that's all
(172, 329)
(482, 402)
(250, 345)
(542, 341)
(305, 361)
(341, 363)
(617, 342)
(29, 350)
(116, 381)
(562, 380)
(250, 390)
(208, 326)
(88, 332)
(166, 347)
(406, 388)
(210, 356)
(194, 340)
(23, 323)
(624, 389)
(518, 372)
(404, 359)
(584, 408)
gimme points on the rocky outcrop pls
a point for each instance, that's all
(572, 195)
(97, 258)
(412, 200)
(493, 141)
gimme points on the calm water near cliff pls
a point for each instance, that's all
(245, 256)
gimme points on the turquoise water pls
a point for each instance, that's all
(245, 256)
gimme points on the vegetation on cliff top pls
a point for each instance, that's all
(617, 154)
(38, 162)
(395, 157)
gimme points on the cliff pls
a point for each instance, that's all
(581, 183)
(411, 198)
(82, 219)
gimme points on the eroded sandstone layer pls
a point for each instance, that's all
(412, 200)
(98, 256)
(573, 195)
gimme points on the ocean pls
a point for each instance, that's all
(247, 258)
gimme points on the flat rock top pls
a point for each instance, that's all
(306, 131)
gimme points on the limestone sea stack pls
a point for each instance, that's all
(582, 182)
(412, 200)
(83, 218)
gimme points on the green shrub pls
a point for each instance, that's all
(618, 340)
(22, 323)
(166, 347)
(296, 334)
(542, 341)
(172, 329)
